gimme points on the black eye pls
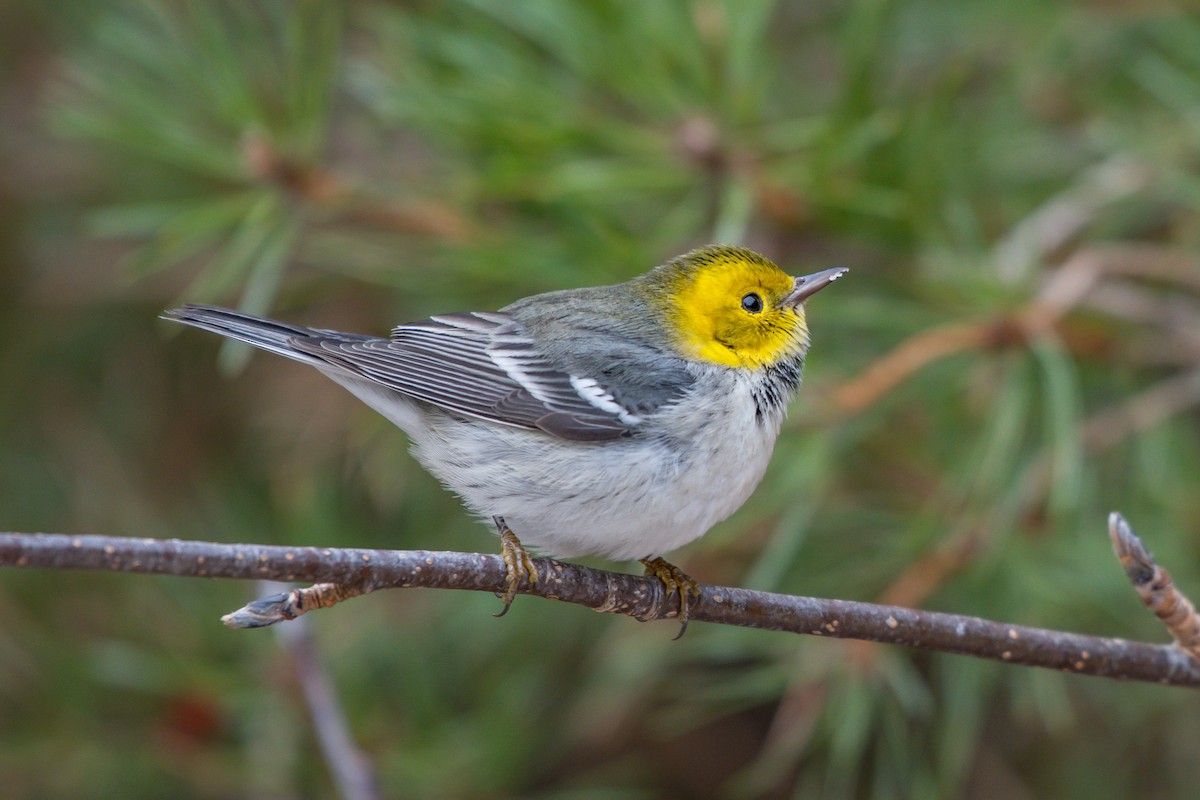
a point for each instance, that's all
(752, 303)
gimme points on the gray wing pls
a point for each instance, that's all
(478, 365)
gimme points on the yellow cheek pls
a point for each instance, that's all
(769, 340)
(735, 339)
(712, 351)
(710, 324)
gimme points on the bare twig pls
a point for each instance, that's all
(1061, 220)
(632, 595)
(291, 604)
(1083, 278)
(1062, 292)
(905, 360)
(1155, 587)
(329, 191)
(1142, 411)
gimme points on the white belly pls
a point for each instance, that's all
(634, 498)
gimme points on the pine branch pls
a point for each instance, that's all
(355, 571)
(1155, 587)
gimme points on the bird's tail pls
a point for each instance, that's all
(306, 345)
(268, 334)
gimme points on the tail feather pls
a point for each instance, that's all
(299, 343)
(268, 334)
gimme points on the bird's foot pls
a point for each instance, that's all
(675, 581)
(517, 560)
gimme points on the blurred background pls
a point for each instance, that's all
(1015, 353)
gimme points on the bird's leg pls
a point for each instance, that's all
(516, 559)
(675, 581)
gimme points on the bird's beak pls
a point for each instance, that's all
(808, 285)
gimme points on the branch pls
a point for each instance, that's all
(361, 571)
(1155, 587)
(1080, 280)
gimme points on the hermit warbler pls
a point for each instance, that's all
(621, 421)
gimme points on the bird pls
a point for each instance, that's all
(621, 421)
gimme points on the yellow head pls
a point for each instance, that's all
(730, 306)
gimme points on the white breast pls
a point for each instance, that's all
(626, 499)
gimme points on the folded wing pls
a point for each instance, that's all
(477, 365)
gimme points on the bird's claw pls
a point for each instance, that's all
(517, 561)
(675, 581)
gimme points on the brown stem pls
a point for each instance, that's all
(1155, 587)
(610, 592)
